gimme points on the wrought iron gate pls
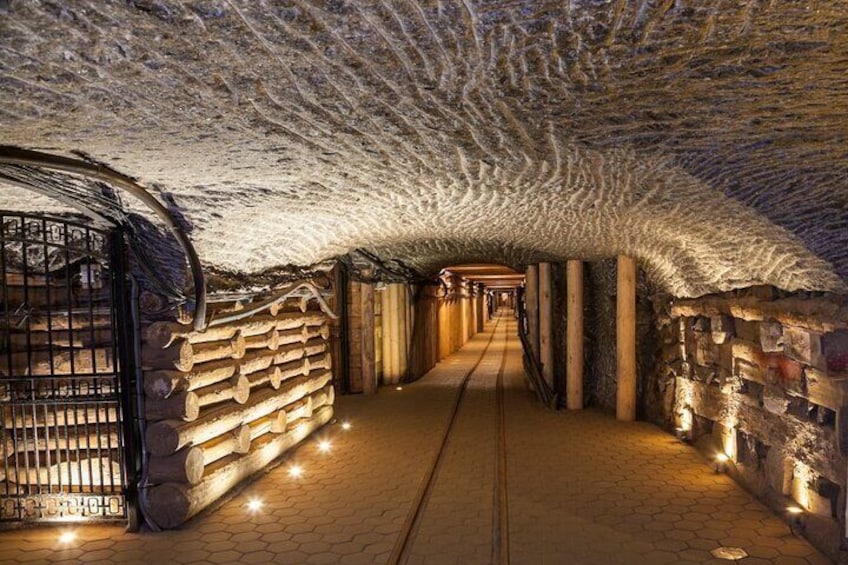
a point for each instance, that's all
(63, 351)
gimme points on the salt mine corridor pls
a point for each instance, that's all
(437, 281)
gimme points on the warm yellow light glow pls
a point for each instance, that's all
(346, 425)
(295, 471)
(67, 537)
(802, 477)
(729, 441)
(254, 505)
(398, 388)
(722, 458)
(324, 446)
(794, 510)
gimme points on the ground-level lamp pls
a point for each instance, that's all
(254, 505)
(795, 515)
(721, 460)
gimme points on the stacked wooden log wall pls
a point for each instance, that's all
(399, 331)
(222, 404)
(767, 379)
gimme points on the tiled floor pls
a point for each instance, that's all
(582, 489)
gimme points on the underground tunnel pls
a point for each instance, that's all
(386, 281)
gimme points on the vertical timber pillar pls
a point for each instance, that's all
(403, 331)
(531, 297)
(366, 351)
(386, 316)
(480, 305)
(546, 349)
(389, 334)
(574, 336)
(625, 317)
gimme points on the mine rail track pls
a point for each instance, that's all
(500, 518)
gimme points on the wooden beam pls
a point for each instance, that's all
(625, 317)
(574, 336)
(403, 334)
(531, 298)
(546, 349)
(366, 350)
(385, 328)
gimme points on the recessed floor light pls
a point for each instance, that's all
(729, 553)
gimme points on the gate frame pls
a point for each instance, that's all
(126, 372)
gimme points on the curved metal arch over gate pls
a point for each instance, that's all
(67, 446)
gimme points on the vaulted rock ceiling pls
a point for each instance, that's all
(708, 139)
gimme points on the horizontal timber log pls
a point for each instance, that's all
(182, 355)
(65, 362)
(86, 418)
(272, 376)
(272, 423)
(287, 353)
(236, 388)
(161, 384)
(166, 437)
(106, 437)
(315, 346)
(234, 348)
(82, 469)
(259, 360)
(320, 361)
(303, 408)
(171, 504)
(182, 405)
(293, 369)
(326, 395)
(58, 320)
(236, 442)
(184, 466)
(270, 340)
(80, 337)
(163, 334)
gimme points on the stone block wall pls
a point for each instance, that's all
(764, 379)
(222, 404)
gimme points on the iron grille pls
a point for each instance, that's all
(61, 388)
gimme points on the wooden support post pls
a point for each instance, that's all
(531, 299)
(463, 317)
(443, 317)
(625, 318)
(546, 349)
(366, 351)
(391, 331)
(385, 328)
(480, 308)
(574, 336)
(403, 330)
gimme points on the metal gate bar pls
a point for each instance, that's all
(61, 387)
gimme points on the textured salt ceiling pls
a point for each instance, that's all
(708, 139)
